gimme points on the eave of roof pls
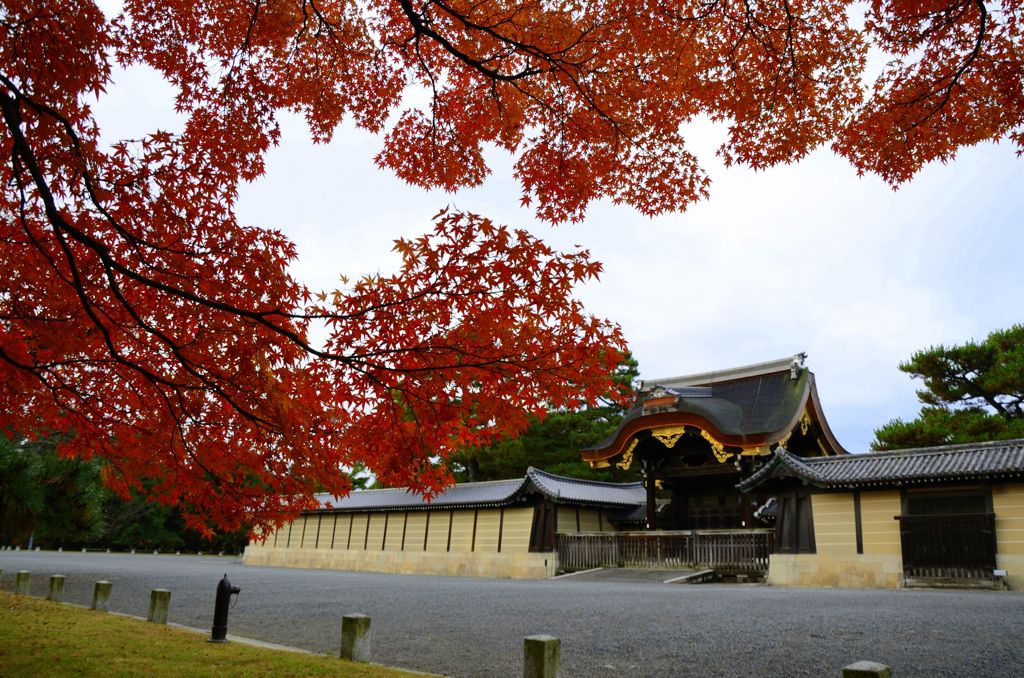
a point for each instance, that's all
(491, 494)
(993, 460)
(730, 374)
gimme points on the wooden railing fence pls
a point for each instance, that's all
(723, 550)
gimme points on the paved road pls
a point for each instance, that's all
(474, 627)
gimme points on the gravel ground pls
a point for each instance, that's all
(474, 627)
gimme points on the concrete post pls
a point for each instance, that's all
(866, 669)
(159, 600)
(541, 656)
(56, 588)
(101, 596)
(21, 582)
(355, 637)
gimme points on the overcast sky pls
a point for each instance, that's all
(805, 257)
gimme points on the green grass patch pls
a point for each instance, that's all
(39, 637)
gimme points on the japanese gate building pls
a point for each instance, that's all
(741, 474)
(697, 436)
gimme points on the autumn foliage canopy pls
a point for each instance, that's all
(139, 316)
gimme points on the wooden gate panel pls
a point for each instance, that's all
(961, 546)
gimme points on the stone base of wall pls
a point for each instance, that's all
(506, 565)
(836, 571)
(1014, 566)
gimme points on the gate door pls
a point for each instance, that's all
(961, 546)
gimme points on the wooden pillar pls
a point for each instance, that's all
(652, 487)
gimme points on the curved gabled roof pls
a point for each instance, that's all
(493, 493)
(754, 405)
(948, 463)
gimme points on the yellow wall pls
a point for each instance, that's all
(488, 523)
(516, 536)
(344, 520)
(415, 530)
(462, 531)
(437, 531)
(881, 530)
(566, 519)
(837, 563)
(359, 521)
(395, 531)
(515, 565)
(835, 528)
(375, 535)
(1008, 504)
(839, 570)
(589, 521)
(312, 522)
(305, 526)
(285, 535)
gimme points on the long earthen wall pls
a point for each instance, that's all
(476, 542)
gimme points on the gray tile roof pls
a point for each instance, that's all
(494, 493)
(467, 495)
(755, 405)
(590, 492)
(1002, 459)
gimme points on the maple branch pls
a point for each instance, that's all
(957, 75)
(360, 362)
(420, 24)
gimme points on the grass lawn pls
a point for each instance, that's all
(42, 638)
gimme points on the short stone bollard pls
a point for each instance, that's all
(101, 596)
(541, 656)
(21, 582)
(159, 600)
(866, 669)
(355, 637)
(56, 588)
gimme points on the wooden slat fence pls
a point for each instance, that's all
(723, 550)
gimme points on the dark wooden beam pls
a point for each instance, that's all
(651, 501)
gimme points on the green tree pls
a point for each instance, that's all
(972, 393)
(554, 441)
(58, 500)
(63, 502)
(143, 524)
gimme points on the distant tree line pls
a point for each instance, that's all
(57, 502)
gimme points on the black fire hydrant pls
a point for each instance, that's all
(220, 610)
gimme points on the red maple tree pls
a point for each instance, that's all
(139, 315)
